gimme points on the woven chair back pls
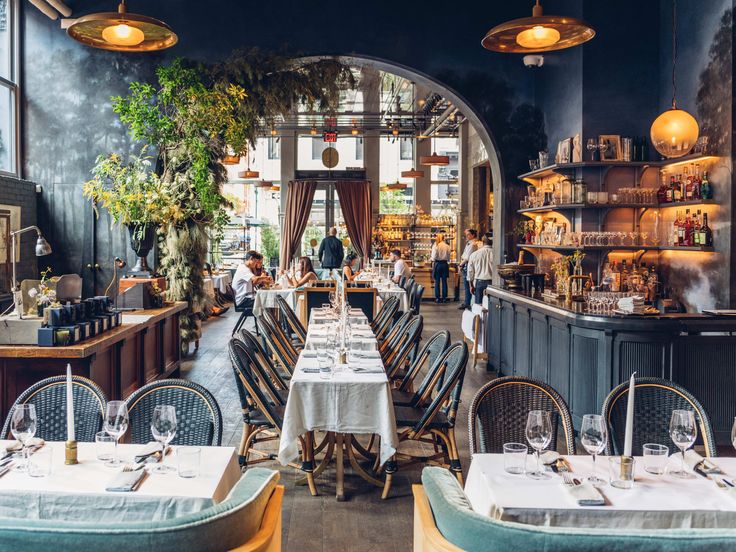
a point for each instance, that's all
(198, 416)
(408, 342)
(654, 401)
(499, 411)
(288, 314)
(49, 398)
(430, 353)
(256, 348)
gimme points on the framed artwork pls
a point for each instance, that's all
(564, 151)
(610, 147)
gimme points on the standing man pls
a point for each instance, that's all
(400, 267)
(480, 269)
(440, 268)
(247, 277)
(331, 252)
(471, 246)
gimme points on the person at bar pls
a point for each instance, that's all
(247, 277)
(331, 252)
(440, 258)
(305, 273)
(348, 273)
(471, 246)
(400, 267)
(480, 269)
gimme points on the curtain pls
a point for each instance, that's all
(355, 202)
(299, 197)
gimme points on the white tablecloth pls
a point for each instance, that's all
(349, 402)
(394, 291)
(266, 299)
(72, 492)
(221, 281)
(655, 502)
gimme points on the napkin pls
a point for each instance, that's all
(586, 494)
(125, 482)
(697, 463)
(16, 446)
(366, 365)
(152, 449)
(549, 457)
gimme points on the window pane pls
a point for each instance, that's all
(7, 124)
(5, 39)
(274, 148)
(407, 149)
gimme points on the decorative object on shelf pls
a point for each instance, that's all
(674, 132)
(42, 249)
(564, 149)
(538, 33)
(577, 149)
(543, 158)
(330, 157)
(122, 31)
(610, 147)
(142, 237)
(592, 147)
(43, 294)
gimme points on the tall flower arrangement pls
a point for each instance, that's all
(192, 115)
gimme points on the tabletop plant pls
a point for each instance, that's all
(191, 117)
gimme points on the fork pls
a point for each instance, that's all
(568, 479)
(132, 467)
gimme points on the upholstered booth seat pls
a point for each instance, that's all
(250, 515)
(444, 521)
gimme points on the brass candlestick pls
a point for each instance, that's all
(70, 453)
(627, 467)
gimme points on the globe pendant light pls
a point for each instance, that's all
(538, 33)
(674, 132)
(122, 31)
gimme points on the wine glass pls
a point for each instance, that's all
(593, 436)
(602, 147)
(163, 429)
(591, 146)
(116, 424)
(683, 432)
(539, 434)
(23, 427)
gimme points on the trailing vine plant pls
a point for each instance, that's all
(192, 115)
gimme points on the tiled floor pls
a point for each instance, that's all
(364, 522)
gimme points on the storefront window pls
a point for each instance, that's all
(395, 201)
(445, 179)
(9, 92)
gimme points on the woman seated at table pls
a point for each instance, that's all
(304, 274)
(347, 269)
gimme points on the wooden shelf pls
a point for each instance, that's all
(574, 206)
(619, 247)
(686, 203)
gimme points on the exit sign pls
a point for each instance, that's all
(330, 136)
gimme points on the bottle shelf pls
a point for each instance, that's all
(686, 203)
(619, 247)
(574, 206)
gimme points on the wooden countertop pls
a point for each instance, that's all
(133, 322)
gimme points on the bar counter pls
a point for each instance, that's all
(584, 355)
(145, 347)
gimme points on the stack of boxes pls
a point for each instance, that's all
(75, 322)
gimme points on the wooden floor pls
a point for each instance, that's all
(364, 522)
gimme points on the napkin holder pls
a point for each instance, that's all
(70, 453)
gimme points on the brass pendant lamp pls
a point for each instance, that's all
(413, 173)
(674, 132)
(122, 31)
(538, 33)
(248, 173)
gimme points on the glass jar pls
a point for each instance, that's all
(579, 192)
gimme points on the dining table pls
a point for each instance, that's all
(78, 492)
(653, 502)
(354, 400)
(266, 298)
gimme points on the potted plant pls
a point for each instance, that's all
(43, 294)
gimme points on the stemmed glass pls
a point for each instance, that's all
(683, 432)
(116, 424)
(163, 429)
(593, 435)
(23, 427)
(591, 146)
(538, 434)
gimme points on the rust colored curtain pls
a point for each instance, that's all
(299, 197)
(355, 202)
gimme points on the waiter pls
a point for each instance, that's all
(331, 251)
(440, 258)
(480, 269)
(472, 245)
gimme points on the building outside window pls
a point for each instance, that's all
(445, 179)
(392, 163)
(9, 90)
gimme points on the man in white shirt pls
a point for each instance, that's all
(480, 269)
(247, 277)
(471, 246)
(440, 258)
(400, 267)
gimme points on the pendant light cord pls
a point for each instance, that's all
(674, 53)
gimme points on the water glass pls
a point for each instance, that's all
(514, 457)
(683, 432)
(188, 460)
(39, 463)
(655, 458)
(326, 363)
(163, 429)
(621, 479)
(104, 446)
(538, 434)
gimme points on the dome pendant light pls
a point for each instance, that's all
(538, 33)
(674, 132)
(248, 173)
(413, 173)
(122, 31)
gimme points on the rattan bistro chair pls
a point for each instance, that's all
(49, 398)
(655, 399)
(244, 311)
(499, 411)
(383, 319)
(198, 416)
(416, 298)
(273, 382)
(435, 423)
(432, 350)
(391, 338)
(292, 320)
(398, 357)
(278, 343)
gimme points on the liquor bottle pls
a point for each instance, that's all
(607, 277)
(706, 234)
(671, 190)
(662, 192)
(616, 278)
(644, 149)
(688, 229)
(706, 191)
(624, 285)
(696, 182)
(652, 284)
(688, 185)
(676, 230)
(696, 228)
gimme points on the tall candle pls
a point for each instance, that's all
(69, 405)
(629, 436)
